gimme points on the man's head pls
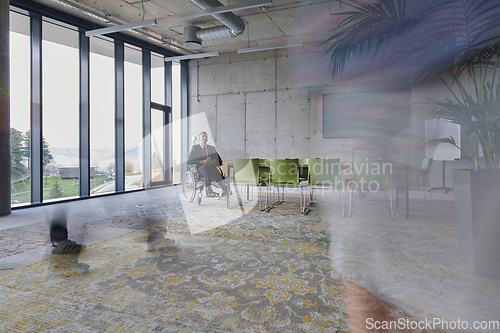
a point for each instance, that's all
(203, 137)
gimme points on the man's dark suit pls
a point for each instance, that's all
(207, 171)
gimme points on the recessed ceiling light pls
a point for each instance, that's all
(122, 27)
(193, 56)
(269, 47)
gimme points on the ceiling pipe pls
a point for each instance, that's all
(171, 44)
(233, 26)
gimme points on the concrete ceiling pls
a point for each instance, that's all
(285, 21)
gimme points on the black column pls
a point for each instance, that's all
(5, 177)
(184, 115)
(36, 108)
(84, 42)
(167, 146)
(119, 117)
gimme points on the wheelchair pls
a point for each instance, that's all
(193, 184)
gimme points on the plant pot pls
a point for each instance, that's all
(477, 202)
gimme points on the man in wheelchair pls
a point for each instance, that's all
(208, 162)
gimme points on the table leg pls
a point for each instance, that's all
(397, 195)
(407, 189)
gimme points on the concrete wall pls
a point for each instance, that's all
(270, 105)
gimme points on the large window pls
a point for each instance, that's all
(20, 91)
(60, 105)
(50, 57)
(133, 117)
(102, 115)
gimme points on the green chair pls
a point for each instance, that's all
(264, 171)
(284, 172)
(371, 175)
(247, 172)
(303, 168)
(324, 173)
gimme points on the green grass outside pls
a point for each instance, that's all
(70, 187)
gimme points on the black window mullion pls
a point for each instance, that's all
(36, 108)
(168, 144)
(119, 116)
(146, 118)
(84, 46)
(184, 114)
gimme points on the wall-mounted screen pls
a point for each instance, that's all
(371, 114)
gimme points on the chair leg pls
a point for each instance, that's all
(303, 198)
(228, 189)
(425, 199)
(300, 201)
(269, 198)
(392, 211)
(240, 201)
(258, 198)
(342, 201)
(268, 206)
(351, 195)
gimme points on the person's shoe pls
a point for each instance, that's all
(159, 243)
(223, 194)
(211, 194)
(66, 246)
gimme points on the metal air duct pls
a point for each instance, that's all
(233, 26)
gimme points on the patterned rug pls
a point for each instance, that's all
(259, 272)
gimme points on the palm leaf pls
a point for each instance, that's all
(412, 31)
(3, 88)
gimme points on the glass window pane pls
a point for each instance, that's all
(20, 92)
(157, 140)
(60, 82)
(102, 115)
(157, 78)
(133, 117)
(176, 117)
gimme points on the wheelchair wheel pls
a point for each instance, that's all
(189, 186)
(199, 197)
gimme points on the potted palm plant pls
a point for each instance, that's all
(476, 107)
(458, 42)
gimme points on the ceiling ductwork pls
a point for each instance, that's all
(233, 26)
(170, 44)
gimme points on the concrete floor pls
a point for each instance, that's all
(412, 264)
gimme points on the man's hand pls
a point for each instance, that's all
(208, 161)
